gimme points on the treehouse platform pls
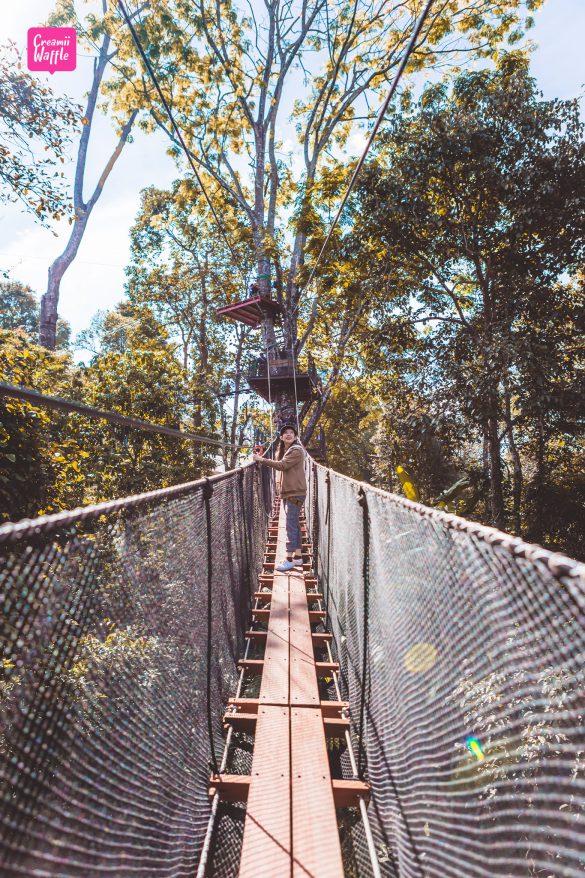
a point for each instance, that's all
(281, 377)
(251, 311)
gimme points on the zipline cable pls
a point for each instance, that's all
(401, 67)
(177, 130)
(67, 405)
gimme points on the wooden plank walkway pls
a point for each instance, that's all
(291, 823)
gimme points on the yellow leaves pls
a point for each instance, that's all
(407, 484)
(79, 669)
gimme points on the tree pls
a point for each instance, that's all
(548, 409)
(41, 457)
(227, 74)
(98, 31)
(35, 131)
(473, 215)
(19, 309)
(145, 381)
(108, 332)
(184, 273)
(50, 460)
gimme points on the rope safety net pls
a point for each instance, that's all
(469, 723)
(110, 682)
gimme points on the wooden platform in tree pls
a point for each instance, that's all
(251, 311)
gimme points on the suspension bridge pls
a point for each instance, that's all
(407, 702)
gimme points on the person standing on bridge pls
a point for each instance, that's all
(290, 460)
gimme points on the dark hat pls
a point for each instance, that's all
(288, 427)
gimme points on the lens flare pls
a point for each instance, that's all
(475, 747)
(420, 658)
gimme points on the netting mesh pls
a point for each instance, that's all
(473, 735)
(105, 703)
(469, 725)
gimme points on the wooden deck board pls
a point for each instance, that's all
(267, 844)
(304, 690)
(274, 687)
(291, 825)
(315, 837)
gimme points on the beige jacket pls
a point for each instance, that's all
(292, 466)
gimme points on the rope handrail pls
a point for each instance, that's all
(556, 562)
(461, 654)
(45, 523)
(68, 405)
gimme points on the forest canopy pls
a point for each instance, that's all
(446, 320)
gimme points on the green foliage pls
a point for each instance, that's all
(184, 272)
(19, 309)
(35, 131)
(51, 461)
(349, 422)
(469, 222)
(41, 457)
(146, 383)
(225, 69)
(103, 662)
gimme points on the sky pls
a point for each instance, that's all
(96, 278)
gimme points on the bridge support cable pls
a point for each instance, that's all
(178, 134)
(411, 47)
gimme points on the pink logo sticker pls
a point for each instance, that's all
(52, 48)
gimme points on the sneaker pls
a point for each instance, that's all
(285, 565)
(298, 562)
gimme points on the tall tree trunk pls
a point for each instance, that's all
(517, 476)
(497, 512)
(50, 300)
(537, 529)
